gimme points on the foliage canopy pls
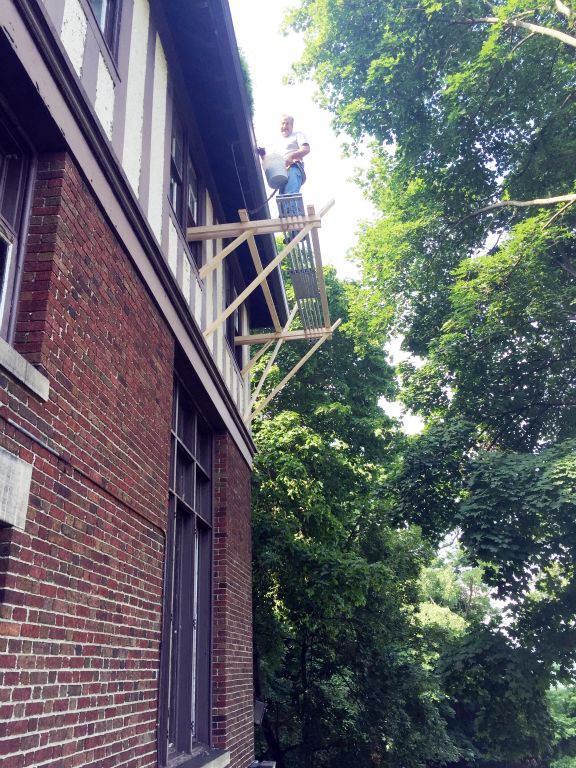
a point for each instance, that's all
(472, 261)
(471, 108)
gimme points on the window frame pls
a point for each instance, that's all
(185, 689)
(110, 29)
(233, 325)
(17, 178)
(181, 172)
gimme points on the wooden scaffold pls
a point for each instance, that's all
(302, 251)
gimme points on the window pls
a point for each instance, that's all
(233, 321)
(15, 163)
(185, 194)
(185, 665)
(107, 13)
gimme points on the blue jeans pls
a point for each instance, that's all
(292, 186)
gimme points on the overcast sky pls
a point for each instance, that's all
(329, 175)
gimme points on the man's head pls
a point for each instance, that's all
(286, 125)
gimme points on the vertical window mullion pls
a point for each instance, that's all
(165, 729)
(194, 692)
(186, 609)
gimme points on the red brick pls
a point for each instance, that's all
(83, 585)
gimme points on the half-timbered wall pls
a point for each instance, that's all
(132, 91)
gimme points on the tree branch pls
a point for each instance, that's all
(556, 34)
(521, 204)
(558, 213)
(565, 264)
(561, 8)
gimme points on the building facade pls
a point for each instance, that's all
(125, 459)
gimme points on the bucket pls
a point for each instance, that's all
(275, 170)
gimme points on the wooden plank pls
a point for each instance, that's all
(221, 255)
(243, 214)
(260, 338)
(257, 227)
(294, 370)
(326, 208)
(319, 272)
(257, 281)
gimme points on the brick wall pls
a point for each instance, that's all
(81, 587)
(87, 322)
(232, 662)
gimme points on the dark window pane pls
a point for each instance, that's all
(12, 176)
(107, 13)
(185, 189)
(176, 196)
(233, 326)
(182, 630)
(174, 624)
(177, 147)
(192, 196)
(187, 425)
(177, 169)
(203, 497)
(3, 265)
(203, 549)
(99, 7)
(197, 253)
(12, 195)
(15, 161)
(204, 446)
(184, 476)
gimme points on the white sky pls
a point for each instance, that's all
(329, 175)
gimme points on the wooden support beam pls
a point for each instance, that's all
(243, 214)
(302, 334)
(324, 210)
(221, 255)
(270, 362)
(319, 271)
(222, 317)
(257, 227)
(294, 370)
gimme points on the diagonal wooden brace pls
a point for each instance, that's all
(294, 370)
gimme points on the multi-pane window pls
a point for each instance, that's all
(185, 684)
(184, 185)
(14, 176)
(107, 13)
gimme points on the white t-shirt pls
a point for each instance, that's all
(293, 141)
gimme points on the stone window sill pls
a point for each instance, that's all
(206, 758)
(13, 363)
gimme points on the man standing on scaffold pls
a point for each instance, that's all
(294, 148)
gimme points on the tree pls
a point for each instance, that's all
(471, 105)
(339, 656)
(563, 708)
(497, 689)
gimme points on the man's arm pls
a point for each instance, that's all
(298, 154)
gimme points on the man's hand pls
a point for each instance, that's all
(297, 155)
